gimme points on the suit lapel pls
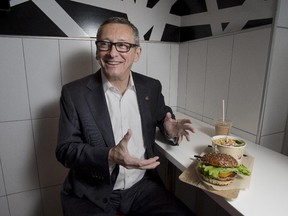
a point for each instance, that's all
(97, 104)
(143, 98)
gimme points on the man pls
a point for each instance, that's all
(107, 134)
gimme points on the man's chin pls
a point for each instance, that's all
(113, 74)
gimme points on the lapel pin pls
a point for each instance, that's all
(147, 98)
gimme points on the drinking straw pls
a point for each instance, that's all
(223, 110)
(223, 117)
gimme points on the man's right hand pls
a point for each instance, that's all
(119, 155)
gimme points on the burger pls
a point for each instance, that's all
(220, 169)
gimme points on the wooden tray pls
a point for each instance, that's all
(230, 191)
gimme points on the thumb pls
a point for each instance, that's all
(168, 116)
(127, 136)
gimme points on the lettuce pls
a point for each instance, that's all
(213, 172)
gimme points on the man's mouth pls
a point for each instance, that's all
(113, 62)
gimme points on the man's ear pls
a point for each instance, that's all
(138, 52)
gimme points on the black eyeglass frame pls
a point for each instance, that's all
(129, 46)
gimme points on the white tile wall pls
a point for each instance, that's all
(174, 75)
(217, 75)
(275, 120)
(76, 59)
(249, 64)
(18, 156)
(232, 68)
(283, 15)
(277, 96)
(158, 60)
(273, 141)
(197, 60)
(43, 75)
(51, 172)
(4, 210)
(13, 88)
(2, 185)
(285, 141)
(182, 75)
(25, 204)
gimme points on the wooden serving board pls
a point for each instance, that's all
(230, 191)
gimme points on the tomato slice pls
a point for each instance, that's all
(224, 175)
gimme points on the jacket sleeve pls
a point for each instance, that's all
(74, 150)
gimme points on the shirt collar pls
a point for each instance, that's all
(107, 85)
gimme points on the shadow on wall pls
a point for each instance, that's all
(51, 173)
(285, 140)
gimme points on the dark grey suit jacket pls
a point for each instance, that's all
(86, 135)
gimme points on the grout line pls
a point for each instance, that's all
(230, 75)
(60, 62)
(4, 183)
(31, 123)
(205, 78)
(34, 189)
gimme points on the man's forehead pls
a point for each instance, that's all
(121, 31)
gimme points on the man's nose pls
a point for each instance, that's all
(113, 51)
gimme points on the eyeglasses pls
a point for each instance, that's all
(122, 47)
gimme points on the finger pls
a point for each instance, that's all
(147, 162)
(150, 166)
(135, 163)
(187, 136)
(185, 121)
(188, 128)
(179, 139)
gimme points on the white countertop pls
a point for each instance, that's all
(268, 191)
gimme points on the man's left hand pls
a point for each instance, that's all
(177, 128)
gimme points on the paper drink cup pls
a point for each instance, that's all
(223, 127)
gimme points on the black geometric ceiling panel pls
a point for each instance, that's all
(27, 19)
(88, 17)
(222, 4)
(148, 34)
(257, 23)
(187, 7)
(195, 32)
(82, 19)
(4, 5)
(224, 25)
(171, 33)
(151, 3)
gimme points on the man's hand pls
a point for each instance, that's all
(177, 128)
(119, 155)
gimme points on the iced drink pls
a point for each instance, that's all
(223, 127)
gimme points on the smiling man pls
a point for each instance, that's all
(107, 134)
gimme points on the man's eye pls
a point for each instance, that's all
(122, 45)
(105, 43)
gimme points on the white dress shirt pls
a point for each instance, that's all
(124, 115)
